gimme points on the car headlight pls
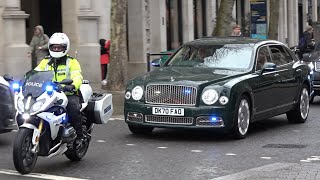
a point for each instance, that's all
(209, 96)
(137, 93)
(37, 106)
(311, 66)
(20, 105)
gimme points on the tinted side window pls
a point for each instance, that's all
(263, 56)
(279, 55)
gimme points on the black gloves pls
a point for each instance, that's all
(69, 88)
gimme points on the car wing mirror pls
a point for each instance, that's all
(268, 67)
(156, 62)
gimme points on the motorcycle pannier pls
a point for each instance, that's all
(100, 108)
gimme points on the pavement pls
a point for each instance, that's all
(278, 171)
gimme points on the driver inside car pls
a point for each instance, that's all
(65, 67)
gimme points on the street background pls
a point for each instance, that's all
(273, 149)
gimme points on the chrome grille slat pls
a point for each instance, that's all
(171, 94)
(169, 120)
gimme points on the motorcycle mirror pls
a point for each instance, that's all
(66, 82)
(8, 78)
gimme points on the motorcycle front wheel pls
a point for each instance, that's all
(23, 158)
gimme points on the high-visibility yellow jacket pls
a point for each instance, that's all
(67, 68)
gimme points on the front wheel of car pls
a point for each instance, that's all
(140, 129)
(241, 118)
(301, 111)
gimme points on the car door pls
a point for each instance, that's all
(265, 85)
(288, 85)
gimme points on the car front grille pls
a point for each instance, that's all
(317, 66)
(169, 120)
(171, 94)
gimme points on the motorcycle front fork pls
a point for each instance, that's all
(35, 148)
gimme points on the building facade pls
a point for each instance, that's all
(153, 26)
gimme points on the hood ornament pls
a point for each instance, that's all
(172, 79)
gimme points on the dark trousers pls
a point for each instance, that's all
(104, 71)
(73, 109)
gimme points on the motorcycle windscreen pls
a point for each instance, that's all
(35, 83)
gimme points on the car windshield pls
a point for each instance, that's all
(35, 82)
(227, 56)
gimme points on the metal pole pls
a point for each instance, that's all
(148, 62)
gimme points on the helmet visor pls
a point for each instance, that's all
(57, 47)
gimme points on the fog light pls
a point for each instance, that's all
(223, 100)
(128, 95)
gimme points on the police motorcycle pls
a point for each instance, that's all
(44, 128)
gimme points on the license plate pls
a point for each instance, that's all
(168, 111)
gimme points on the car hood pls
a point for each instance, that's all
(189, 76)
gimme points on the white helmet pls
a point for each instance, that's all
(59, 45)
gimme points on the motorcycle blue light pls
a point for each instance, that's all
(49, 89)
(64, 120)
(16, 86)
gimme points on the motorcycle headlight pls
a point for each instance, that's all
(137, 93)
(20, 105)
(37, 106)
(209, 96)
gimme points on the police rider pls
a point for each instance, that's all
(65, 67)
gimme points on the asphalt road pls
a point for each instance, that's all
(178, 154)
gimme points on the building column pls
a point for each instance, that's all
(211, 14)
(305, 12)
(158, 26)
(138, 36)
(187, 20)
(283, 23)
(293, 24)
(103, 8)
(14, 60)
(199, 19)
(314, 10)
(88, 50)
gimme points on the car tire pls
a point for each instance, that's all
(242, 118)
(140, 129)
(300, 113)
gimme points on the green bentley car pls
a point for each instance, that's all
(220, 83)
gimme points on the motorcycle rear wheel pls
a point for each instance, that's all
(24, 160)
(76, 154)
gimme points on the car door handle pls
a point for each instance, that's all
(276, 75)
